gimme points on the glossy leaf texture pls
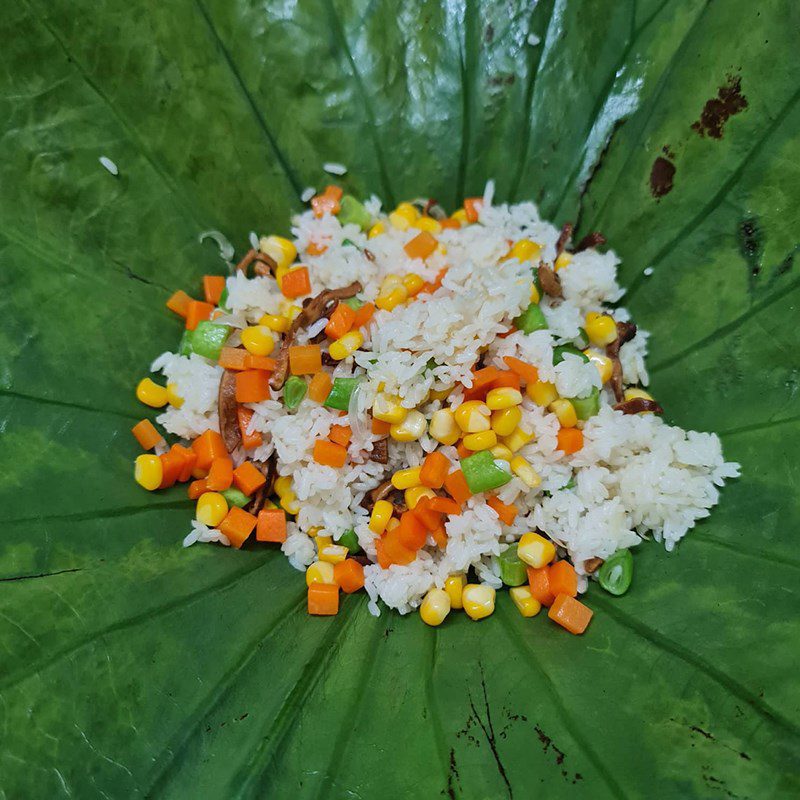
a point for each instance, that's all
(131, 667)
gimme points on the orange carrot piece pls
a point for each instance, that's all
(421, 246)
(249, 440)
(213, 287)
(539, 581)
(341, 434)
(472, 208)
(271, 525)
(329, 453)
(314, 249)
(364, 315)
(305, 359)
(264, 363)
(247, 478)
(327, 202)
(340, 321)
(463, 452)
(320, 387)
(380, 428)
(296, 283)
(349, 574)
(411, 532)
(196, 312)
(323, 599)
(208, 446)
(448, 222)
(171, 465)
(380, 553)
(527, 372)
(570, 440)
(395, 550)
(252, 386)
(430, 518)
(220, 476)
(482, 381)
(237, 525)
(440, 537)
(444, 505)
(179, 303)
(199, 474)
(196, 488)
(434, 470)
(563, 579)
(233, 358)
(456, 485)
(506, 378)
(570, 613)
(189, 460)
(146, 434)
(506, 513)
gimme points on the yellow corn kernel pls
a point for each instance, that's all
(148, 471)
(603, 363)
(377, 229)
(407, 478)
(315, 531)
(283, 485)
(443, 426)
(600, 328)
(387, 408)
(290, 310)
(454, 586)
(501, 451)
(542, 393)
(565, 412)
(535, 550)
(280, 250)
(435, 607)
(394, 298)
(505, 421)
(478, 600)
(535, 296)
(441, 249)
(258, 340)
(333, 553)
(473, 417)
(484, 440)
(151, 394)
(410, 429)
(518, 439)
(319, 572)
(173, 398)
(381, 514)
(211, 509)
(637, 394)
(346, 345)
(460, 216)
(524, 250)
(413, 495)
(279, 273)
(525, 472)
(564, 260)
(392, 524)
(390, 281)
(440, 394)
(321, 540)
(289, 503)
(526, 603)
(504, 397)
(427, 224)
(402, 217)
(413, 284)
(275, 323)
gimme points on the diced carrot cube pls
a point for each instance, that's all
(179, 303)
(271, 525)
(570, 440)
(213, 287)
(430, 518)
(327, 202)
(444, 505)
(506, 378)
(434, 470)
(208, 446)
(380, 428)
(252, 386)
(456, 485)
(506, 513)
(171, 465)
(329, 453)
(320, 387)
(247, 478)
(323, 599)
(249, 440)
(220, 476)
(570, 613)
(563, 579)
(539, 580)
(349, 575)
(315, 249)
(341, 434)
(296, 283)
(305, 359)
(233, 358)
(364, 315)
(440, 536)
(527, 372)
(395, 551)
(411, 532)
(197, 311)
(237, 525)
(189, 460)
(421, 246)
(472, 208)
(196, 488)
(340, 322)
(264, 363)
(146, 434)
(463, 452)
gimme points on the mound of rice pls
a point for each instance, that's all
(635, 476)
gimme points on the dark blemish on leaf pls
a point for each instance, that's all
(502, 80)
(718, 110)
(453, 777)
(244, 716)
(744, 755)
(751, 243)
(488, 35)
(40, 575)
(662, 175)
(706, 734)
(667, 151)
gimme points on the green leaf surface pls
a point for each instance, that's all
(133, 668)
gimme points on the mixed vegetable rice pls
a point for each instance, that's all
(427, 407)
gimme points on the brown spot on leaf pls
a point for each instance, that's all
(718, 110)
(662, 175)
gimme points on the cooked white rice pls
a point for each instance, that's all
(635, 476)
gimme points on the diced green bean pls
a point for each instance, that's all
(339, 397)
(564, 349)
(582, 339)
(223, 300)
(586, 407)
(294, 390)
(208, 339)
(349, 540)
(512, 569)
(482, 474)
(353, 302)
(185, 346)
(616, 574)
(235, 498)
(531, 319)
(354, 212)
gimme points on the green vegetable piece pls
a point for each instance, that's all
(564, 349)
(294, 390)
(531, 319)
(208, 339)
(482, 474)
(354, 212)
(353, 302)
(536, 282)
(349, 540)
(512, 569)
(185, 347)
(234, 497)
(582, 338)
(586, 407)
(223, 299)
(616, 574)
(570, 484)
(339, 397)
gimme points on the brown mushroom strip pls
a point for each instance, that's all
(228, 408)
(265, 265)
(369, 255)
(248, 259)
(592, 565)
(380, 492)
(380, 452)
(269, 470)
(625, 332)
(564, 237)
(549, 281)
(314, 309)
(594, 239)
(637, 405)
